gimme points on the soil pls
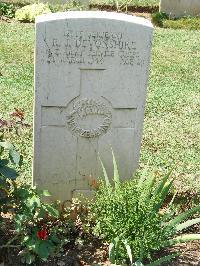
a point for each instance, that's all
(95, 252)
(133, 9)
(190, 254)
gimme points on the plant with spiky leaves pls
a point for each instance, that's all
(133, 211)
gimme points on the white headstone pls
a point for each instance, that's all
(179, 8)
(91, 71)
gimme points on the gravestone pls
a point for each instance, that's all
(179, 8)
(91, 71)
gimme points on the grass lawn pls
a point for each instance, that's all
(171, 127)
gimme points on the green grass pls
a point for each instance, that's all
(171, 126)
(16, 82)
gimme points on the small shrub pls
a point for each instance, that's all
(158, 17)
(7, 10)
(132, 210)
(29, 12)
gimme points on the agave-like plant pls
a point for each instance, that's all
(156, 194)
(114, 250)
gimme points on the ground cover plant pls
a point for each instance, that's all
(191, 23)
(163, 20)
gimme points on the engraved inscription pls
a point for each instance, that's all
(86, 113)
(84, 47)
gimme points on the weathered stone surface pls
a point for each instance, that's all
(91, 71)
(179, 8)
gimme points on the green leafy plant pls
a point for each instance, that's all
(158, 17)
(7, 10)
(7, 173)
(114, 250)
(36, 224)
(29, 12)
(134, 211)
(39, 229)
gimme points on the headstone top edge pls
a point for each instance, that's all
(93, 14)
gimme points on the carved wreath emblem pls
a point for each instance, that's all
(89, 107)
